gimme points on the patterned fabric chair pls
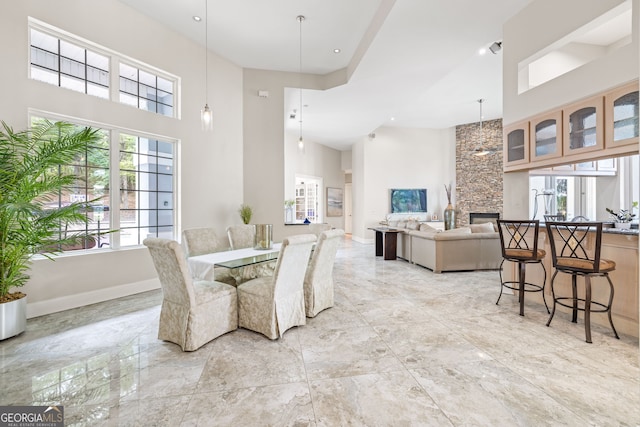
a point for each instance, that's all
(193, 312)
(200, 241)
(241, 236)
(318, 281)
(271, 305)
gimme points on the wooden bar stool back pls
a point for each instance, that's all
(575, 249)
(519, 240)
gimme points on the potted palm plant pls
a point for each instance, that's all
(30, 177)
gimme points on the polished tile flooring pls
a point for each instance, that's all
(401, 347)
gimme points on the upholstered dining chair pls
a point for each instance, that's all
(200, 241)
(204, 240)
(193, 312)
(318, 281)
(271, 305)
(241, 236)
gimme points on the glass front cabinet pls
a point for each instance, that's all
(583, 126)
(546, 136)
(516, 144)
(621, 110)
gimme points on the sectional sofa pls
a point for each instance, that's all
(475, 247)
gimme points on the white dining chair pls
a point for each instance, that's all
(204, 240)
(193, 312)
(318, 281)
(272, 305)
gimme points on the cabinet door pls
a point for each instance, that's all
(582, 126)
(546, 136)
(621, 116)
(516, 144)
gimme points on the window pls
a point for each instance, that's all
(62, 63)
(144, 204)
(145, 90)
(64, 60)
(146, 189)
(308, 193)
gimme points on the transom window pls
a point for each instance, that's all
(145, 90)
(65, 60)
(68, 65)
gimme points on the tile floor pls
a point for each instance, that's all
(401, 347)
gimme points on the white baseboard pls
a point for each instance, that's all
(361, 240)
(55, 305)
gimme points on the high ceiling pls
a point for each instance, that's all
(412, 63)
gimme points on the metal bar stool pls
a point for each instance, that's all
(575, 248)
(519, 240)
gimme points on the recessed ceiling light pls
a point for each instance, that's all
(393, 118)
(336, 51)
(482, 51)
(197, 18)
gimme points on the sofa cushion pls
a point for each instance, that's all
(485, 227)
(427, 227)
(413, 225)
(461, 230)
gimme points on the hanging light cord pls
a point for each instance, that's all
(300, 19)
(206, 51)
(481, 135)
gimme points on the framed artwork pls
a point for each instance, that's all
(334, 201)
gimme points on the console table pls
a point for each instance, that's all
(386, 241)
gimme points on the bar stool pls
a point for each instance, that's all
(575, 248)
(522, 249)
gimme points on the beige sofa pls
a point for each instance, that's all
(476, 247)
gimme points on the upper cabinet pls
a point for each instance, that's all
(546, 136)
(583, 126)
(621, 109)
(516, 144)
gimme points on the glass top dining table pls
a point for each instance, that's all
(202, 265)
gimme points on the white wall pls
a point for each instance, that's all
(209, 165)
(399, 158)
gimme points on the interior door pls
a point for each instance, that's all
(347, 208)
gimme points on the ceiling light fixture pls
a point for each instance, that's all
(197, 18)
(300, 19)
(481, 151)
(495, 47)
(206, 115)
(337, 50)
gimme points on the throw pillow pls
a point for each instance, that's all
(485, 227)
(426, 227)
(413, 225)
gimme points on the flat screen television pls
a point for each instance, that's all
(408, 200)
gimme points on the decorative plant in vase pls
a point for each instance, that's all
(31, 178)
(622, 218)
(450, 211)
(245, 212)
(288, 208)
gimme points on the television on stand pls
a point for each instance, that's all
(408, 200)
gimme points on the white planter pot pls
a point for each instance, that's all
(13, 318)
(623, 225)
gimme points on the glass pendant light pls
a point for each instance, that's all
(206, 115)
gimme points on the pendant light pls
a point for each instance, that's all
(481, 151)
(300, 19)
(206, 115)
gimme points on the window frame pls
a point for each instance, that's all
(114, 57)
(114, 133)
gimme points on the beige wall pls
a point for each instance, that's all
(210, 189)
(537, 26)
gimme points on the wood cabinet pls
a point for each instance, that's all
(583, 126)
(621, 111)
(516, 144)
(546, 136)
